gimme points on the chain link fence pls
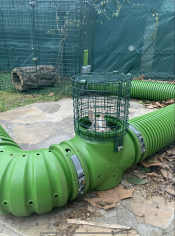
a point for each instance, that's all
(136, 37)
(42, 42)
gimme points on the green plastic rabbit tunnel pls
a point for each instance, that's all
(152, 91)
(37, 181)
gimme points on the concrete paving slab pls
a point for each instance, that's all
(2, 234)
(157, 212)
(49, 108)
(9, 115)
(32, 118)
(32, 134)
(43, 124)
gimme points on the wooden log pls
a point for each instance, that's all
(31, 77)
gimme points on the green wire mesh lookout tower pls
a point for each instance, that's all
(101, 106)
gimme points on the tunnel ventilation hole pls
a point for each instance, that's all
(11, 154)
(49, 151)
(68, 150)
(99, 176)
(30, 202)
(5, 202)
(113, 175)
(37, 154)
(23, 155)
(55, 195)
(1, 151)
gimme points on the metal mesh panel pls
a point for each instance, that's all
(44, 42)
(101, 106)
(136, 36)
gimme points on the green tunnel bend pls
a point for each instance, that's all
(37, 181)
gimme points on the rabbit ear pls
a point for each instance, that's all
(91, 115)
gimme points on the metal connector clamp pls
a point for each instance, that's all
(140, 138)
(80, 173)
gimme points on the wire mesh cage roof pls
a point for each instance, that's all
(101, 106)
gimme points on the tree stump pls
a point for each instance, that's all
(31, 77)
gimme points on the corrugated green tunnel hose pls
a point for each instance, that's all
(37, 181)
(153, 91)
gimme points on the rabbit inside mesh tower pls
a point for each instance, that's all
(98, 123)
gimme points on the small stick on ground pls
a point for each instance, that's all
(143, 192)
(98, 224)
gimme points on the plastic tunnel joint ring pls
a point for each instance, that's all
(80, 173)
(140, 138)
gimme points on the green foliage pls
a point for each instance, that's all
(144, 170)
(102, 6)
(136, 180)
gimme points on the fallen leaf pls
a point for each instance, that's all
(170, 176)
(168, 195)
(170, 189)
(98, 224)
(164, 173)
(158, 104)
(151, 161)
(111, 197)
(155, 106)
(85, 210)
(149, 106)
(143, 192)
(171, 165)
(164, 166)
(153, 174)
(91, 209)
(171, 158)
(156, 163)
(173, 151)
(103, 203)
(136, 180)
(50, 94)
(157, 179)
(162, 156)
(169, 151)
(140, 102)
(168, 182)
(170, 101)
(139, 175)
